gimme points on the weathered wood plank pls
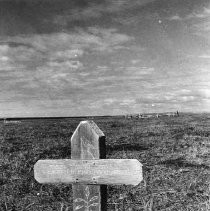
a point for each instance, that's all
(88, 142)
(88, 168)
(110, 172)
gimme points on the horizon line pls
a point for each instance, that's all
(92, 116)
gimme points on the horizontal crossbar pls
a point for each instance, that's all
(99, 171)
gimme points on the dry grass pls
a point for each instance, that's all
(175, 153)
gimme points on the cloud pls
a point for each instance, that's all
(109, 101)
(113, 105)
(59, 74)
(108, 39)
(66, 54)
(204, 56)
(5, 58)
(135, 61)
(205, 93)
(77, 14)
(75, 42)
(202, 29)
(198, 20)
(62, 46)
(204, 25)
(74, 51)
(127, 102)
(14, 44)
(200, 14)
(16, 57)
(96, 11)
(36, 16)
(140, 70)
(175, 18)
(54, 65)
(121, 5)
(198, 11)
(167, 101)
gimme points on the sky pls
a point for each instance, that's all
(103, 57)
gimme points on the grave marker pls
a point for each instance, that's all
(88, 171)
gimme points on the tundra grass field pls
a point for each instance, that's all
(174, 151)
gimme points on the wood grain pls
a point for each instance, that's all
(88, 142)
(88, 168)
(110, 172)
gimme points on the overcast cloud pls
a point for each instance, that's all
(69, 58)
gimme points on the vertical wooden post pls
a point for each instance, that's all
(88, 170)
(88, 142)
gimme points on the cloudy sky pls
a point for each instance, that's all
(100, 57)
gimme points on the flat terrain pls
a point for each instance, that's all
(174, 151)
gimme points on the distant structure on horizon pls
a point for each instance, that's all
(146, 116)
(11, 121)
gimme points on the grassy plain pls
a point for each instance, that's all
(174, 151)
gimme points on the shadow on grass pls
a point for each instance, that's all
(180, 162)
(127, 147)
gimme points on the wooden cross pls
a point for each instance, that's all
(88, 171)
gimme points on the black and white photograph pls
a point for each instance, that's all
(104, 105)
